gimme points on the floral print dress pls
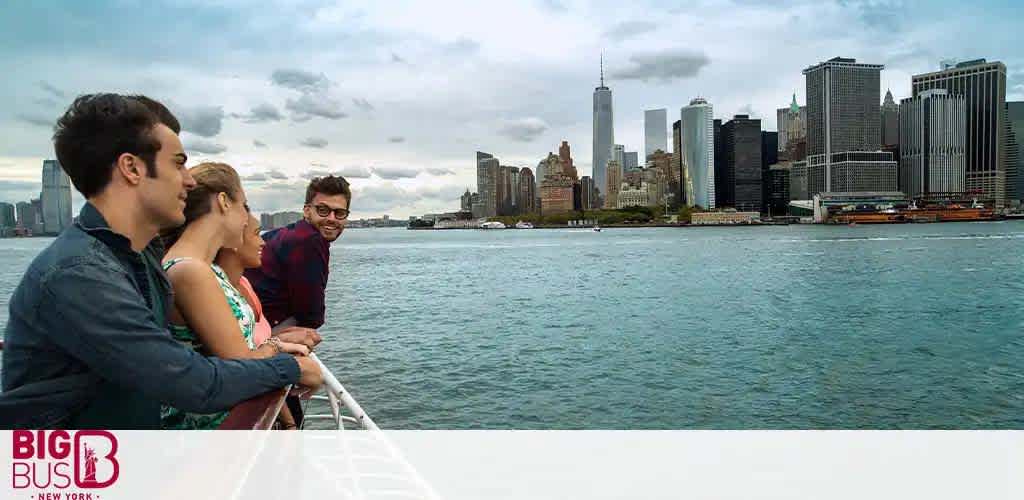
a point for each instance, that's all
(173, 418)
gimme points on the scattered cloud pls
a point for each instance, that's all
(629, 29)
(314, 105)
(261, 113)
(46, 101)
(393, 173)
(381, 197)
(663, 66)
(258, 143)
(257, 177)
(554, 6)
(449, 192)
(54, 91)
(463, 46)
(314, 142)
(362, 104)
(300, 80)
(276, 174)
(395, 58)
(204, 121)
(37, 120)
(354, 172)
(396, 139)
(747, 109)
(440, 171)
(197, 144)
(523, 130)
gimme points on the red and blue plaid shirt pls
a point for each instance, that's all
(293, 278)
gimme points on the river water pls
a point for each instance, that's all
(781, 327)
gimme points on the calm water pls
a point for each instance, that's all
(910, 326)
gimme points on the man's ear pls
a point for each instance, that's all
(130, 167)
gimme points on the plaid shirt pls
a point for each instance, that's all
(292, 280)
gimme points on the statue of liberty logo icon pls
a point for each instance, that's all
(90, 465)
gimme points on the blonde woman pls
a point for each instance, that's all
(209, 313)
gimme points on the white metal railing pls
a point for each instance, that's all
(339, 401)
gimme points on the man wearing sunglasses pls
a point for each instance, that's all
(293, 278)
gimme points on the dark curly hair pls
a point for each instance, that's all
(329, 185)
(97, 128)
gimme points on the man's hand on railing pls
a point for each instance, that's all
(310, 375)
(298, 335)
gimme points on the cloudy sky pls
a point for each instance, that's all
(397, 96)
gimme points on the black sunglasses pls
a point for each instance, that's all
(324, 211)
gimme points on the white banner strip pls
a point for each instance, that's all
(533, 465)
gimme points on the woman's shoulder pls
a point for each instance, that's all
(187, 270)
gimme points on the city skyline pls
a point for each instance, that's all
(366, 114)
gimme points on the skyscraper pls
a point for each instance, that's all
(844, 125)
(56, 198)
(677, 160)
(655, 131)
(698, 147)
(630, 160)
(487, 167)
(604, 135)
(26, 215)
(613, 184)
(933, 137)
(619, 154)
(1015, 114)
(791, 123)
(588, 196)
(7, 215)
(527, 191)
(741, 188)
(983, 85)
(890, 121)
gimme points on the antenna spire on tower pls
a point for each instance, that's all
(602, 69)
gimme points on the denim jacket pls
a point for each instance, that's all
(87, 345)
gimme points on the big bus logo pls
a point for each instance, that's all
(58, 459)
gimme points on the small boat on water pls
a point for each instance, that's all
(523, 225)
(493, 225)
(597, 229)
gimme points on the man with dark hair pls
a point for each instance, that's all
(292, 281)
(86, 344)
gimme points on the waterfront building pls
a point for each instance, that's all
(588, 196)
(890, 121)
(527, 192)
(777, 182)
(37, 208)
(725, 217)
(1015, 120)
(56, 198)
(655, 131)
(851, 171)
(619, 155)
(698, 147)
(7, 218)
(614, 184)
(983, 85)
(791, 123)
(933, 138)
(630, 160)
(738, 182)
(466, 201)
(844, 125)
(556, 190)
(566, 162)
(769, 157)
(507, 193)
(677, 161)
(634, 196)
(487, 168)
(662, 162)
(604, 135)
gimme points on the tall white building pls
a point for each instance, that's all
(698, 148)
(933, 139)
(55, 198)
(604, 134)
(655, 131)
